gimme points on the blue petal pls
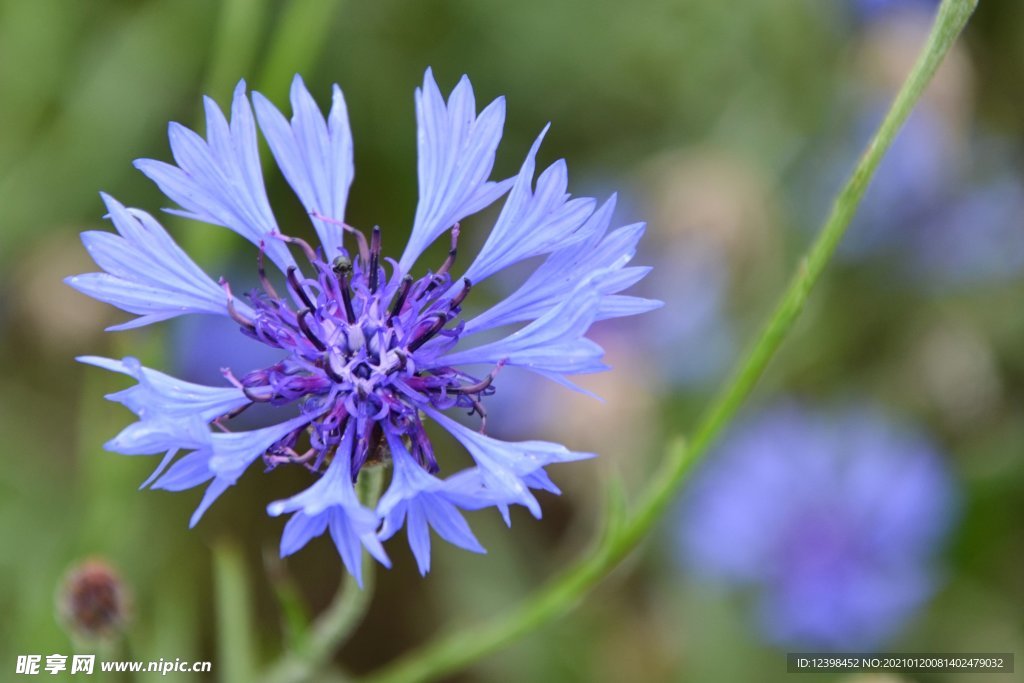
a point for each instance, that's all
(347, 531)
(173, 414)
(331, 503)
(596, 257)
(146, 273)
(456, 154)
(187, 472)
(315, 156)
(567, 383)
(469, 490)
(554, 343)
(159, 434)
(164, 462)
(448, 522)
(504, 470)
(422, 501)
(213, 491)
(300, 530)
(418, 531)
(532, 221)
(472, 489)
(233, 452)
(223, 458)
(218, 180)
(619, 306)
(158, 393)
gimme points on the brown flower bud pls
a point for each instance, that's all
(93, 601)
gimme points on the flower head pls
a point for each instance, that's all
(93, 601)
(834, 521)
(369, 349)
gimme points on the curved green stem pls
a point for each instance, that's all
(329, 632)
(455, 651)
(343, 615)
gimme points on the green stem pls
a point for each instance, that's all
(455, 651)
(329, 632)
(236, 639)
(342, 616)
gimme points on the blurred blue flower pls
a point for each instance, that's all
(695, 318)
(872, 10)
(977, 237)
(363, 356)
(913, 179)
(946, 214)
(832, 520)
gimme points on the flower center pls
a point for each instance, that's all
(359, 347)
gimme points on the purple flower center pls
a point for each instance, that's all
(360, 347)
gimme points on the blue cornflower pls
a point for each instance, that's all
(975, 237)
(832, 520)
(368, 351)
(947, 211)
(874, 10)
(914, 181)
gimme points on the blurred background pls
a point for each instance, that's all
(867, 498)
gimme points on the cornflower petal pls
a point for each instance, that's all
(533, 221)
(218, 179)
(223, 458)
(620, 306)
(504, 467)
(567, 268)
(331, 504)
(456, 154)
(172, 413)
(553, 343)
(160, 393)
(314, 155)
(420, 501)
(145, 272)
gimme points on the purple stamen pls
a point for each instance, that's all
(353, 354)
(302, 244)
(403, 292)
(232, 311)
(297, 288)
(428, 332)
(304, 325)
(452, 252)
(261, 269)
(346, 298)
(461, 296)
(374, 258)
(360, 237)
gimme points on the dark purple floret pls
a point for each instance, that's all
(362, 347)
